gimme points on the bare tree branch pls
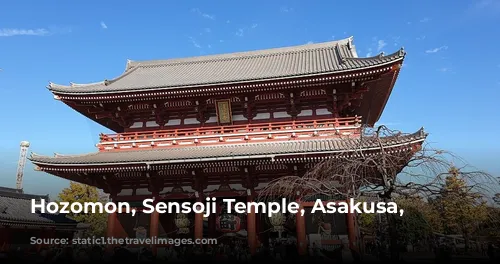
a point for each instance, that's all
(403, 170)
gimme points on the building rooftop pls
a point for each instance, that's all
(270, 64)
(228, 151)
(15, 209)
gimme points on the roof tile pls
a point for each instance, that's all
(295, 61)
(236, 151)
(15, 206)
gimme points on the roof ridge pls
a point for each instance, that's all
(400, 53)
(242, 54)
(58, 155)
(23, 196)
(72, 84)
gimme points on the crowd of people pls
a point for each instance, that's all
(231, 251)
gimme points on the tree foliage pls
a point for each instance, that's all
(368, 221)
(462, 208)
(418, 221)
(82, 193)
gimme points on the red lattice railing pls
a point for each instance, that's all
(231, 134)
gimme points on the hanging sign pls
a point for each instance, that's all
(223, 110)
(228, 223)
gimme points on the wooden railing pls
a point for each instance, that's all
(231, 134)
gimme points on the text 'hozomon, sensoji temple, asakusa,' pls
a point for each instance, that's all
(224, 126)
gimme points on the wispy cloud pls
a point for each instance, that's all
(310, 42)
(285, 9)
(208, 30)
(488, 4)
(381, 44)
(103, 25)
(396, 40)
(12, 32)
(425, 20)
(194, 42)
(445, 69)
(202, 14)
(240, 32)
(421, 37)
(435, 50)
(484, 7)
(369, 53)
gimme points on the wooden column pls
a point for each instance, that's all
(110, 232)
(153, 231)
(198, 221)
(301, 232)
(251, 230)
(351, 229)
(212, 224)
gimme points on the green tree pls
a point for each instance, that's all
(82, 193)
(462, 209)
(368, 221)
(418, 221)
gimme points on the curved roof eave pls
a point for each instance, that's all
(66, 90)
(139, 157)
(340, 57)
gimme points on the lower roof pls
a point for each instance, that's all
(227, 151)
(15, 208)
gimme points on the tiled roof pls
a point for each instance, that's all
(15, 207)
(233, 151)
(287, 62)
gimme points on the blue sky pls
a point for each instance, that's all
(449, 84)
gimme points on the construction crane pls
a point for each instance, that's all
(20, 165)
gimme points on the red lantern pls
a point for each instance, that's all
(228, 223)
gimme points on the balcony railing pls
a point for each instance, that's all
(349, 126)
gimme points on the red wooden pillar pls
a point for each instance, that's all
(110, 232)
(212, 224)
(153, 231)
(351, 229)
(198, 222)
(301, 231)
(251, 229)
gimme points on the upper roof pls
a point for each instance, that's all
(15, 207)
(229, 151)
(260, 65)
